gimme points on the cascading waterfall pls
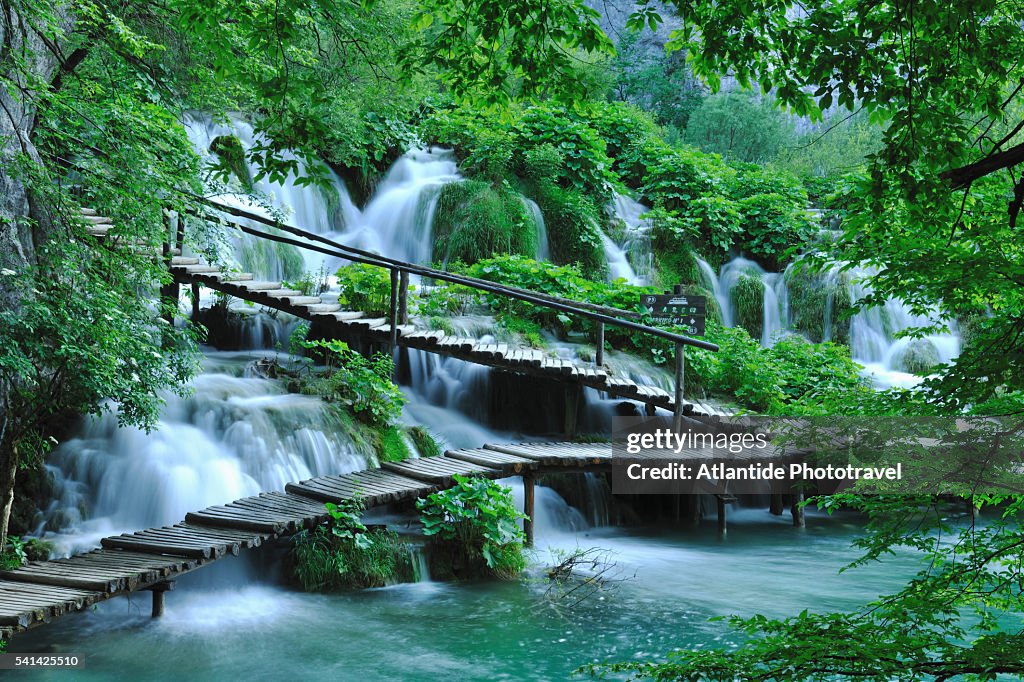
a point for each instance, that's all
(234, 437)
(630, 258)
(398, 220)
(873, 332)
(543, 247)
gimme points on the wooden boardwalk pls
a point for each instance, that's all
(151, 559)
(340, 323)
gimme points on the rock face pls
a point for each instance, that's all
(615, 13)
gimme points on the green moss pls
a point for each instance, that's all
(677, 265)
(815, 300)
(747, 296)
(918, 357)
(572, 223)
(390, 445)
(425, 443)
(476, 220)
(262, 257)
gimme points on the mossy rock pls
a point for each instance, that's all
(677, 265)
(817, 300)
(747, 296)
(271, 260)
(232, 158)
(425, 443)
(475, 220)
(917, 357)
(573, 227)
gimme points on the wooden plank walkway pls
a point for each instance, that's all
(348, 323)
(151, 559)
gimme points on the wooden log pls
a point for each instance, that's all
(797, 510)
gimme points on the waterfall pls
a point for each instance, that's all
(235, 436)
(873, 332)
(543, 247)
(398, 220)
(630, 256)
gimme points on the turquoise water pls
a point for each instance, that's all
(231, 624)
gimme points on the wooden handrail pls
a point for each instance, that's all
(607, 315)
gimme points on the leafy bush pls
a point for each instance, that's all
(366, 288)
(740, 126)
(475, 220)
(474, 525)
(748, 298)
(774, 227)
(363, 384)
(573, 230)
(343, 553)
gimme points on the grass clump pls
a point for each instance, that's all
(342, 553)
(476, 220)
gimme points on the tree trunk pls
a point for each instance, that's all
(25, 60)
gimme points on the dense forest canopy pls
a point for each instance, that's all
(910, 113)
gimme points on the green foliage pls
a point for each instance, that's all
(774, 227)
(366, 288)
(343, 553)
(918, 357)
(475, 220)
(267, 258)
(232, 160)
(390, 444)
(740, 126)
(486, 52)
(362, 384)
(426, 444)
(818, 303)
(573, 231)
(14, 554)
(748, 298)
(477, 517)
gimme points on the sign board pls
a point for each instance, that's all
(677, 310)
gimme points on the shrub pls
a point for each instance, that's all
(473, 525)
(366, 288)
(343, 553)
(774, 227)
(747, 297)
(475, 220)
(360, 383)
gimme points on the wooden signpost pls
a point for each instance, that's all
(681, 310)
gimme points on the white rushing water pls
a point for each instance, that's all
(630, 257)
(874, 333)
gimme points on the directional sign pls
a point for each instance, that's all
(677, 310)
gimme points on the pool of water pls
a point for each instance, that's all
(231, 621)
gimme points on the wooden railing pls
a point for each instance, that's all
(400, 271)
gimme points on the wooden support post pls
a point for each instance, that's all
(394, 307)
(528, 499)
(776, 506)
(720, 500)
(572, 407)
(696, 512)
(797, 510)
(650, 410)
(599, 345)
(680, 379)
(195, 302)
(158, 596)
(169, 295)
(403, 298)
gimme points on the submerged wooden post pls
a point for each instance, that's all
(721, 500)
(599, 350)
(158, 596)
(650, 410)
(394, 307)
(403, 298)
(195, 302)
(528, 497)
(797, 509)
(776, 506)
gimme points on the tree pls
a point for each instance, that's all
(739, 126)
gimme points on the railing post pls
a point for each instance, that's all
(599, 351)
(403, 298)
(677, 413)
(394, 307)
(170, 292)
(528, 500)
